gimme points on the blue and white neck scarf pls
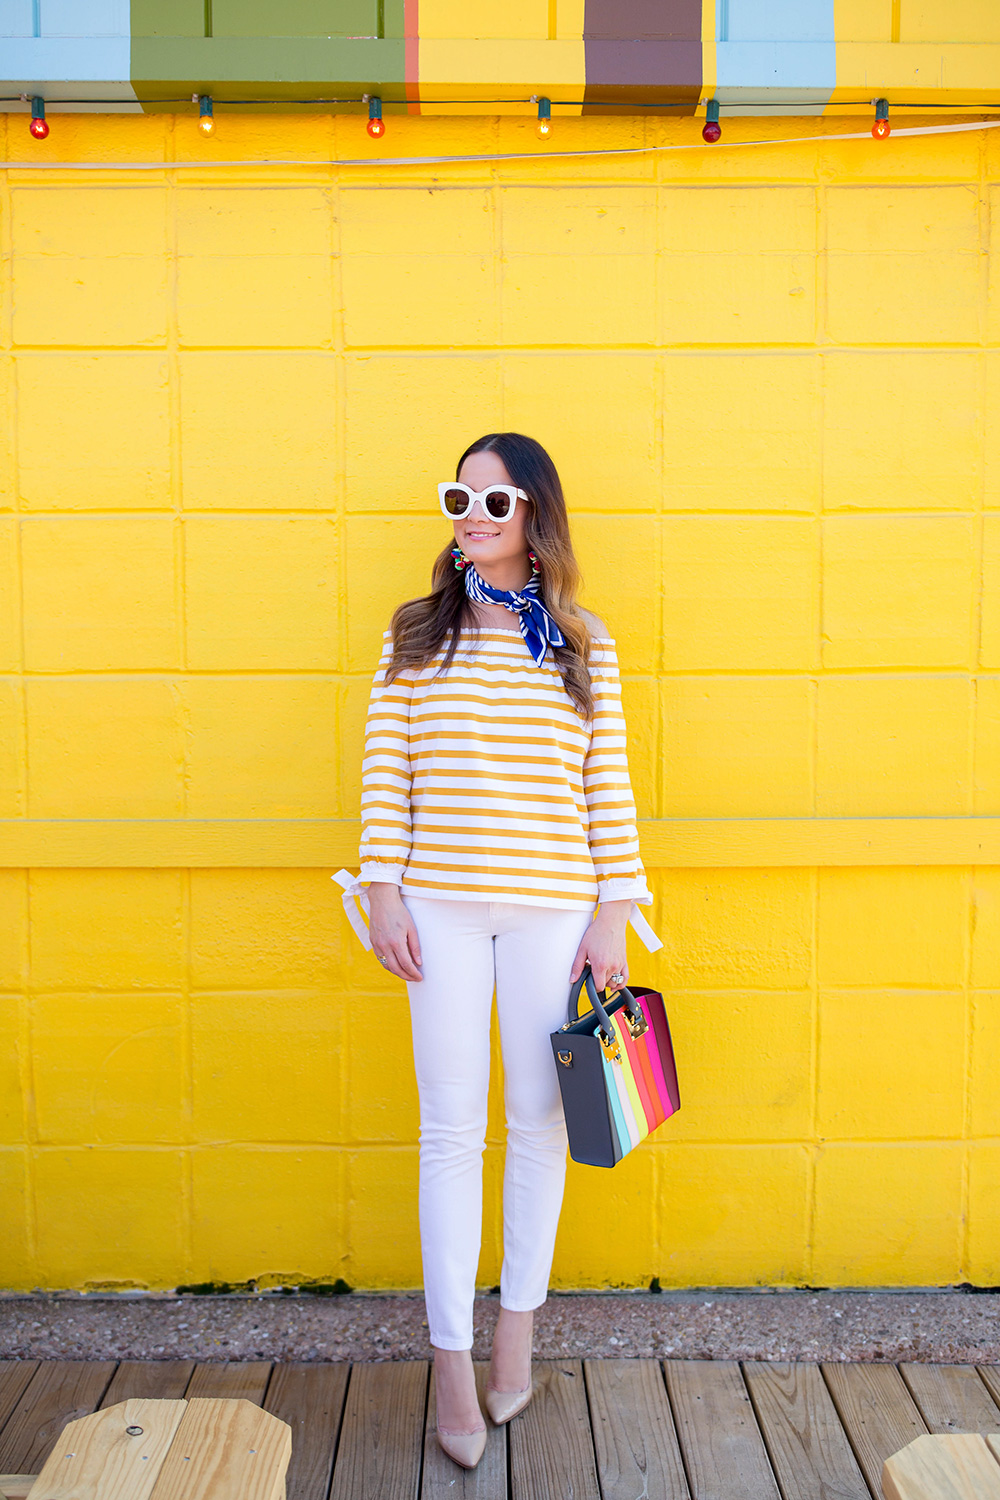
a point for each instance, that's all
(536, 624)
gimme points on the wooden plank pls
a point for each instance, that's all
(310, 1398)
(942, 1467)
(446, 1480)
(14, 1377)
(225, 1450)
(952, 1398)
(809, 1450)
(551, 1449)
(96, 1458)
(878, 1413)
(159, 1379)
(16, 1486)
(382, 1433)
(723, 1449)
(59, 1391)
(990, 1376)
(634, 1435)
(234, 1379)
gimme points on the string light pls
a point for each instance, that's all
(544, 119)
(711, 130)
(881, 128)
(39, 126)
(206, 119)
(376, 124)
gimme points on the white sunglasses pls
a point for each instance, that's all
(498, 501)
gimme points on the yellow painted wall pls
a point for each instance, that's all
(770, 379)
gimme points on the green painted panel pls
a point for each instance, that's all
(168, 17)
(286, 68)
(306, 18)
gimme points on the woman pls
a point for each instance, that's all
(497, 812)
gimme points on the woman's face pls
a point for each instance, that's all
(482, 539)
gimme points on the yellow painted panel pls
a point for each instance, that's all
(863, 20)
(984, 1214)
(745, 1062)
(382, 1236)
(893, 299)
(380, 1086)
(10, 614)
(741, 431)
(907, 221)
(11, 751)
(251, 440)
(605, 300)
(964, 72)
(727, 579)
(737, 299)
(115, 930)
(289, 1204)
(14, 1054)
(282, 1082)
(110, 449)
(7, 481)
(902, 429)
(108, 1068)
(114, 301)
(413, 542)
(239, 730)
(887, 1215)
(491, 18)
(396, 300)
(594, 414)
(261, 592)
(985, 970)
(258, 220)
(989, 650)
(891, 1064)
(578, 221)
(897, 591)
(709, 220)
(103, 747)
(126, 1208)
(84, 610)
(974, 21)
(442, 220)
(732, 1215)
(737, 746)
(984, 1101)
(402, 462)
(640, 702)
(13, 928)
(893, 744)
(986, 787)
(630, 1196)
(89, 219)
(620, 565)
(228, 300)
(891, 927)
(733, 928)
(500, 69)
(258, 929)
(19, 1264)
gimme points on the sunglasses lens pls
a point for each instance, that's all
(498, 504)
(457, 502)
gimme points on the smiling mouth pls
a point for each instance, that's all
(481, 533)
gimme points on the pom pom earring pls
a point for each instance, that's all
(460, 558)
(534, 564)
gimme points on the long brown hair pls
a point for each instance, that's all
(420, 626)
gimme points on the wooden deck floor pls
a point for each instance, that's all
(596, 1430)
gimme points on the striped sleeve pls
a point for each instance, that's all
(386, 778)
(613, 836)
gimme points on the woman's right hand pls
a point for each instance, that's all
(393, 931)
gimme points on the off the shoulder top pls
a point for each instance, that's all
(486, 784)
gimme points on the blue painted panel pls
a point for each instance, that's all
(774, 21)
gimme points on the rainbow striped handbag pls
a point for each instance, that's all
(618, 1083)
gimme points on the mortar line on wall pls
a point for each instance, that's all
(187, 1086)
(341, 418)
(812, 1149)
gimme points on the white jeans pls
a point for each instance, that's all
(527, 951)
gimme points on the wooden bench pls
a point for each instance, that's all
(945, 1466)
(202, 1449)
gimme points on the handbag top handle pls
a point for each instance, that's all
(627, 1001)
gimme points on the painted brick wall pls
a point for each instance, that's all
(770, 380)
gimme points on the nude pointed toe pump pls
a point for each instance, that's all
(466, 1448)
(502, 1405)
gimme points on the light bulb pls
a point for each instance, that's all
(39, 126)
(544, 129)
(376, 129)
(206, 119)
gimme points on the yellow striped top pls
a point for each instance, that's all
(487, 784)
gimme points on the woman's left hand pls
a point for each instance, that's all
(603, 945)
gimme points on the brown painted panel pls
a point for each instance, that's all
(645, 20)
(642, 53)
